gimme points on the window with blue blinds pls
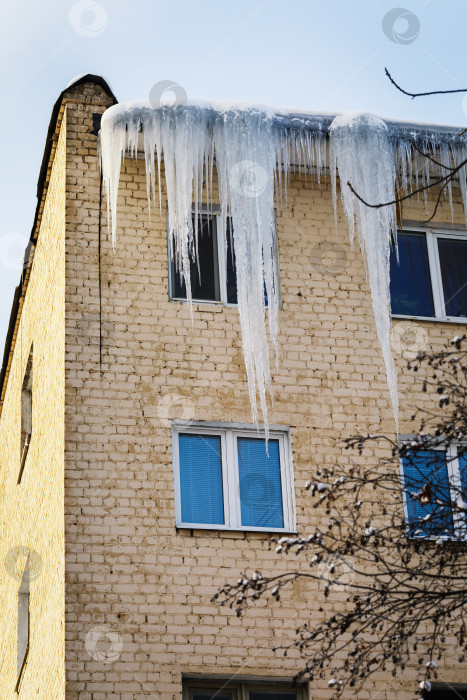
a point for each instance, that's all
(260, 483)
(411, 293)
(225, 479)
(428, 467)
(453, 264)
(429, 279)
(201, 492)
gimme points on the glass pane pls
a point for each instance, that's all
(411, 292)
(453, 262)
(422, 468)
(260, 483)
(201, 479)
(211, 695)
(462, 459)
(232, 297)
(231, 267)
(205, 279)
(271, 695)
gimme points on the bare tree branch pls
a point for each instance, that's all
(421, 94)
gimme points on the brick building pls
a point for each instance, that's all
(106, 387)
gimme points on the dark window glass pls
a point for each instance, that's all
(448, 691)
(231, 268)
(411, 292)
(211, 695)
(453, 262)
(205, 279)
(271, 695)
(232, 297)
(422, 468)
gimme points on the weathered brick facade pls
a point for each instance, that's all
(97, 497)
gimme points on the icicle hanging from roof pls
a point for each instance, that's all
(256, 149)
(187, 138)
(361, 152)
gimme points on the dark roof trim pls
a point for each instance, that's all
(21, 288)
(89, 78)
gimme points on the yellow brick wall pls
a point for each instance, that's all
(32, 513)
(129, 572)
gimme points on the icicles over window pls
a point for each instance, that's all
(246, 161)
(187, 138)
(362, 154)
(255, 152)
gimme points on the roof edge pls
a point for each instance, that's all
(20, 290)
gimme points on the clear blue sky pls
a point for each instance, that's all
(304, 54)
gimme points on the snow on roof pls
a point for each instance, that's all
(299, 119)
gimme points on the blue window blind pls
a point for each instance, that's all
(260, 483)
(201, 479)
(411, 292)
(453, 262)
(462, 459)
(428, 466)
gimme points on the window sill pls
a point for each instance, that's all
(227, 530)
(453, 320)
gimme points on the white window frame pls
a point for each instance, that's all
(459, 520)
(215, 212)
(432, 235)
(230, 474)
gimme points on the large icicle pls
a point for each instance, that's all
(362, 153)
(246, 161)
(186, 138)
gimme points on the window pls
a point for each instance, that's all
(446, 691)
(23, 625)
(215, 280)
(225, 479)
(430, 280)
(26, 415)
(440, 477)
(228, 690)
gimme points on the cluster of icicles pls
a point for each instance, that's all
(253, 153)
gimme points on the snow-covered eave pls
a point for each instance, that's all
(420, 132)
(416, 131)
